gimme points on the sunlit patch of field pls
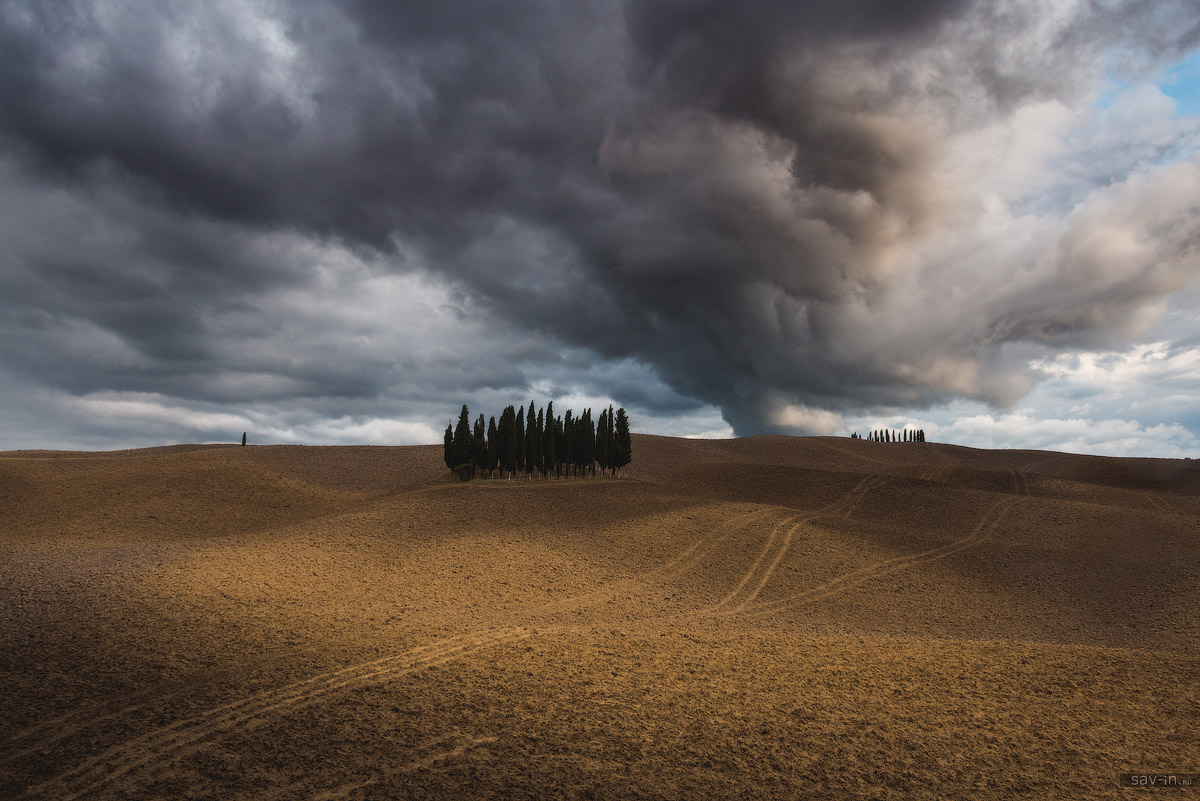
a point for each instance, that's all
(767, 617)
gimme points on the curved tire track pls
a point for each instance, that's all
(983, 530)
(151, 752)
(842, 507)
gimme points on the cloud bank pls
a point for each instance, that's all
(316, 218)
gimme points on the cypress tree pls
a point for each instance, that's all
(506, 433)
(602, 441)
(539, 442)
(519, 442)
(493, 457)
(548, 440)
(622, 441)
(589, 443)
(448, 451)
(609, 438)
(463, 442)
(568, 438)
(579, 448)
(514, 442)
(479, 449)
(560, 446)
(592, 458)
(530, 432)
(243, 439)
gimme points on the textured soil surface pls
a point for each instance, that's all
(759, 618)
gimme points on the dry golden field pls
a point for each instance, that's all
(759, 618)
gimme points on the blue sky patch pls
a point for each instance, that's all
(1182, 84)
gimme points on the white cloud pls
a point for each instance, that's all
(375, 431)
(1109, 437)
(1135, 402)
(806, 420)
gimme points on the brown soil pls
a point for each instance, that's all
(759, 618)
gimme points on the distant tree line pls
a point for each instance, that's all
(541, 444)
(888, 435)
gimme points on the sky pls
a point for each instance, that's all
(334, 223)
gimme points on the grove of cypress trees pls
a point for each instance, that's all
(535, 441)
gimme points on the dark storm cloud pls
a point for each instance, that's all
(736, 195)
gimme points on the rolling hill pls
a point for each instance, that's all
(767, 617)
